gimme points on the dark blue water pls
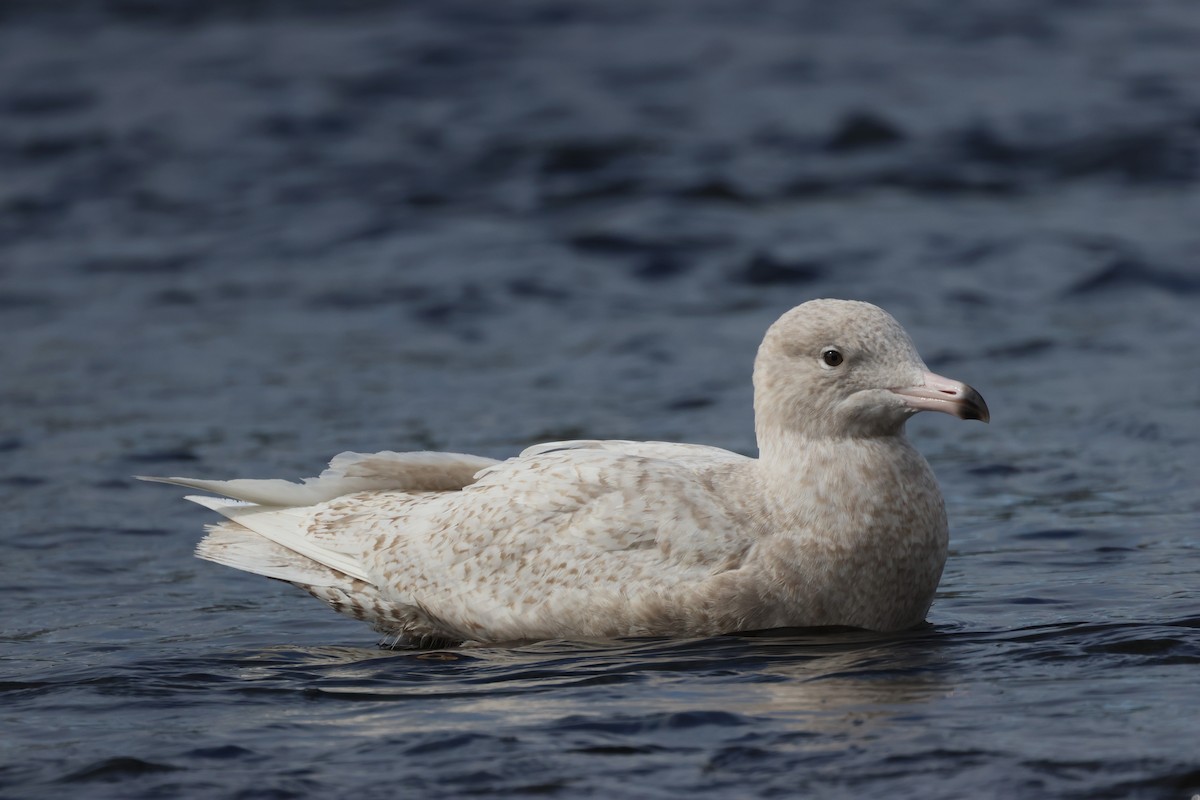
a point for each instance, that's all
(237, 238)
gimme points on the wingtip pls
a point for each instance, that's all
(218, 504)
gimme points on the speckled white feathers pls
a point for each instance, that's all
(838, 522)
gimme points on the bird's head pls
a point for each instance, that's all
(838, 368)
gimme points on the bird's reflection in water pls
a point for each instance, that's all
(828, 683)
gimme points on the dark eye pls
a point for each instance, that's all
(831, 356)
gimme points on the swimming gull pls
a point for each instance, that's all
(839, 521)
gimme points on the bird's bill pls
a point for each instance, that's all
(936, 393)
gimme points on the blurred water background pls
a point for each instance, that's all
(238, 237)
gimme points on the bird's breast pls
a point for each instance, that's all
(857, 537)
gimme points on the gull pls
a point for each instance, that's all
(838, 521)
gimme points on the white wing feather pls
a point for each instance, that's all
(349, 473)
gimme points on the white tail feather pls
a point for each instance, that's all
(285, 527)
(234, 546)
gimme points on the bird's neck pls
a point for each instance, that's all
(782, 441)
(790, 458)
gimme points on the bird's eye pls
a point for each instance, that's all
(831, 356)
